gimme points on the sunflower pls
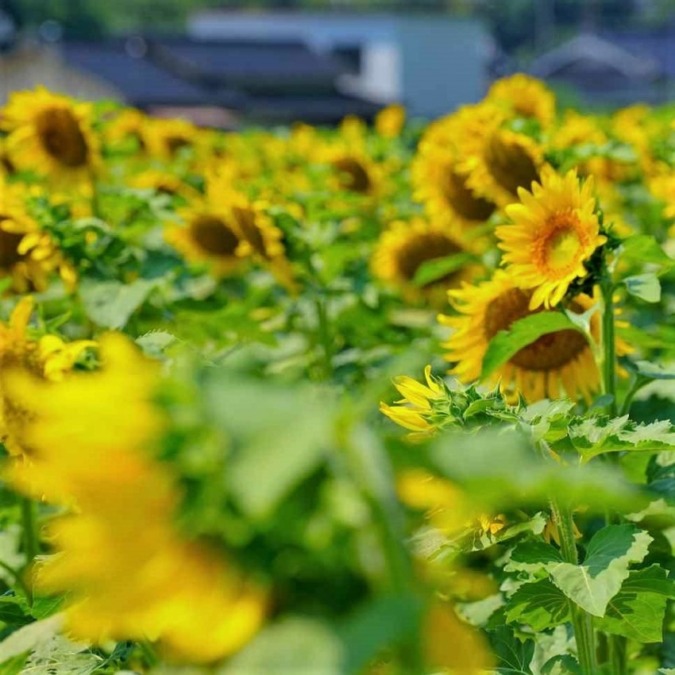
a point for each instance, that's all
(500, 162)
(558, 361)
(438, 181)
(128, 123)
(209, 236)
(166, 138)
(28, 256)
(390, 121)
(48, 358)
(51, 135)
(554, 231)
(124, 494)
(524, 96)
(405, 246)
(165, 183)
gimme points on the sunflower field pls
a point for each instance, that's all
(374, 400)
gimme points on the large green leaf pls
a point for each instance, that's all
(647, 287)
(594, 436)
(110, 304)
(644, 248)
(638, 610)
(294, 646)
(541, 605)
(280, 436)
(610, 552)
(522, 333)
(514, 655)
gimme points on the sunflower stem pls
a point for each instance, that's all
(31, 537)
(582, 622)
(609, 343)
(324, 337)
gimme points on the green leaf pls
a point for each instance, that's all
(522, 333)
(14, 665)
(381, 624)
(610, 552)
(436, 269)
(290, 647)
(514, 655)
(561, 665)
(647, 287)
(110, 304)
(533, 556)
(644, 248)
(280, 434)
(156, 343)
(30, 637)
(540, 605)
(638, 610)
(594, 436)
(653, 371)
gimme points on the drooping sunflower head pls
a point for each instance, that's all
(51, 135)
(524, 96)
(406, 246)
(560, 361)
(553, 233)
(28, 255)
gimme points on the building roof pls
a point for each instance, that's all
(655, 44)
(142, 82)
(267, 65)
(596, 57)
(266, 81)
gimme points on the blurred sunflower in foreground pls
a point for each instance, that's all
(124, 494)
(51, 135)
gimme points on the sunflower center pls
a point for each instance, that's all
(561, 247)
(462, 200)
(252, 233)
(62, 137)
(9, 244)
(175, 143)
(353, 175)
(548, 352)
(431, 246)
(214, 236)
(510, 164)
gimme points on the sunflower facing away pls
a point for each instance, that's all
(554, 231)
(558, 361)
(52, 136)
(405, 246)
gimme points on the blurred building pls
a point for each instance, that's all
(601, 71)
(430, 62)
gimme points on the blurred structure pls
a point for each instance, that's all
(601, 71)
(430, 62)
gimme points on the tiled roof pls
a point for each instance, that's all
(254, 65)
(142, 82)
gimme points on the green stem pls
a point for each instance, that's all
(31, 539)
(581, 620)
(617, 654)
(635, 387)
(609, 344)
(324, 337)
